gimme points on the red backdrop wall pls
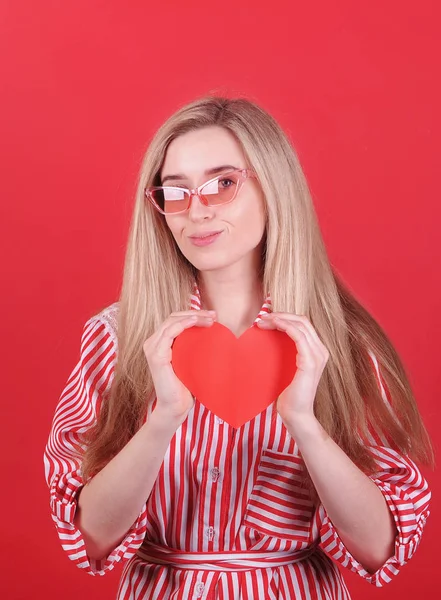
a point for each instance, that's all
(83, 87)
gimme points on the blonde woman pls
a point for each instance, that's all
(141, 472)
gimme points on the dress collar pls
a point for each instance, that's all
(195, 302)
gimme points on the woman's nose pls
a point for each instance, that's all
(197, 207)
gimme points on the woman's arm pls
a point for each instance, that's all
(110, 502)
(372, 525)
(354, 503)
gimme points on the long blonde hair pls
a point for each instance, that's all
(296, 271)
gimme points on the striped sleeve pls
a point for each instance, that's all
(407, 495)
(75, 413)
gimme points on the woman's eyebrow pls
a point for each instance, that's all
(212, 171)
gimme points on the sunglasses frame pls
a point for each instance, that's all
(245, 174)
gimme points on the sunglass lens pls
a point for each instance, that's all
(171, 200)
(221, 190)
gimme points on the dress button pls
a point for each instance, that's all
(215, 474)
(219, 420)
(199, 589)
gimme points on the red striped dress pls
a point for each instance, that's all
(227, 517)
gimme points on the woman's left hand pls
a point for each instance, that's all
(297, 400)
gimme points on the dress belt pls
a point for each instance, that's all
(234, 560)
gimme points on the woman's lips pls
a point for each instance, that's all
(204, 241)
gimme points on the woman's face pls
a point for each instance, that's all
(242, 221)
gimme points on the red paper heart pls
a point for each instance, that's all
(235, 378)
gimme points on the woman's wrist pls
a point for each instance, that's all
(304, 427)
(166, 419)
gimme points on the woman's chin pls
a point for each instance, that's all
(208, 265)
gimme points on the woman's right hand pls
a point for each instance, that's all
(174, 400)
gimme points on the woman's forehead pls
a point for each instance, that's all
(198, 153)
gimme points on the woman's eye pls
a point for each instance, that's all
(221, 181)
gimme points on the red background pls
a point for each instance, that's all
(84, 85)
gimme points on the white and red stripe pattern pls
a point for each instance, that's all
(227, 517)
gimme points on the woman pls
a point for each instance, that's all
(140, 470)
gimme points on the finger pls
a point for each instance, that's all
(160, 348)
(273, 324)
(305, 322)
(173, 329)
(316, 352)
(305, 352)
(176, 317)
(296, 330)
(200, 316)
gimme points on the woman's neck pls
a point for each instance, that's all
(236, 302)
